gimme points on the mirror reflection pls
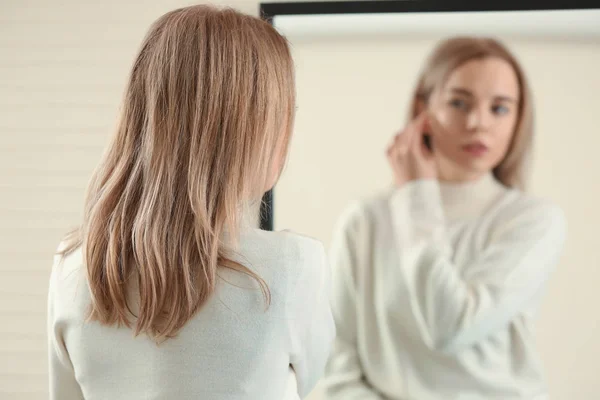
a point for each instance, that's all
(440, 169)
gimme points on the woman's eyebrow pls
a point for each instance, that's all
(459, 90)
(505, 98)
(466, 92)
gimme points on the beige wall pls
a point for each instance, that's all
(353, 95)
(63, 66)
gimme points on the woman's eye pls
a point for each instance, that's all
(500, 109)
(458, 104)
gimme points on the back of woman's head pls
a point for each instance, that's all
(452, 53)
(207, 111)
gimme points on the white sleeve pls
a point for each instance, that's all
(452, 312)
(313, 328)
(344, 379)
(63, 385)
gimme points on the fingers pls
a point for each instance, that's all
(398, 146)
(420, 120)
(392, 147)
(411, 137)
(402, 140)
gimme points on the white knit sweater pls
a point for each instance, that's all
(435, 290)
(231, 350)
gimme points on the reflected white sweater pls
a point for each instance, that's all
(435, 291)
(231, 350)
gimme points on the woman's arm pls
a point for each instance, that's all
(313, 329)
(344, 378)
(453, 313)
(63, 385)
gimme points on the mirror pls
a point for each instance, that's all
(357, 70)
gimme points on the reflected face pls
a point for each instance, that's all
(474, 115)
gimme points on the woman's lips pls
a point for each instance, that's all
(476, 149)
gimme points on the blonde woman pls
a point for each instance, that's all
(437, 282)
(166, 291)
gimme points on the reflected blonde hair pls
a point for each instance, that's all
(208, 108)
(454, 52)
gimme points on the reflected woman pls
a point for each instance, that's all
(437, 282)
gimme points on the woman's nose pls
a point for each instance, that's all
(479, 119)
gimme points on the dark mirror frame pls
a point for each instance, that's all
(268, 11)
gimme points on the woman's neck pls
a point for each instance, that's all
(468, 198)
(457, 176)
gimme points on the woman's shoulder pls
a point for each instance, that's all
(283, 246)
(67, 264)
(284, 258)
(281, 253)
(519, 202)
(523, 208)
(68, 289)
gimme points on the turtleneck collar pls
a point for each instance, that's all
(469, 199)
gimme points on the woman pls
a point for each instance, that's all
(166, 291)
(437, 282)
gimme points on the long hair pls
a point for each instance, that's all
(208, 107)
(454, 52)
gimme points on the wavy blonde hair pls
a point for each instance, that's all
(208, 108)
(454, 52)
